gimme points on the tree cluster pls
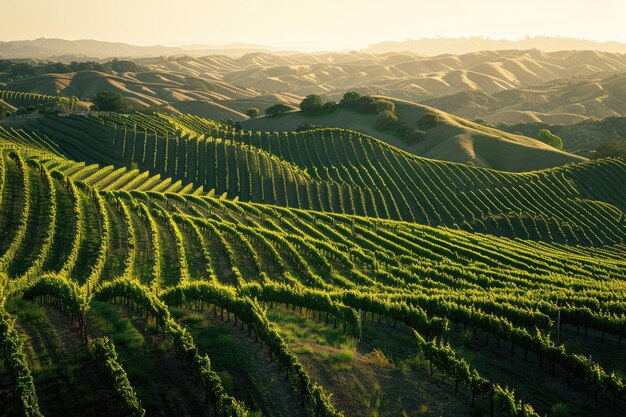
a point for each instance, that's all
(253, 112)
(387, 117)
(313, 104)
(428, 121)
(551, 139)
(110, 101)
(277, 110)
(20, 70)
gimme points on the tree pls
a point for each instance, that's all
(232, 124)
(428, 121)
(366, 104)
(349, 99)
(21, 70)
(253, 112)
(551, 139)
(86, 66)
(56, 68)
(330, 106)
(385, 105)
(277, 110)
(110, 101)
(312, 104)
(123, 66)
(386, 120)
(409, 135)
(5, 64)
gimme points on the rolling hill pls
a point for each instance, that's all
(404, 75)
(583, 137)
(281, 297)
(343, 172)
(170, 262)
(560, 102)
(453, 139)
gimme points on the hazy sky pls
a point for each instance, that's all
(330, 24)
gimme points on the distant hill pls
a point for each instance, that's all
(223, 80)
(454, 139)
(582, 137)
(67, 50)
(562, 101)
(398, 74)
(437, 46)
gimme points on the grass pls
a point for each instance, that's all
(244, 371)
(298, 329)
(25, 310)
(107, 319)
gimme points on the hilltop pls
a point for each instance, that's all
(222, 80)
(67, 50)
(453, 139)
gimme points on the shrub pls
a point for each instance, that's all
(312, 104)
(308, 126)
(232, 124)
(366, 104)
(253, 112)
(277, 110)
(409, 135)
(428, 121)
(386, 120)
(349, 99)
(385, 105)
(87, 66)
(56, 68)
(123, 66)
(21, 70)
(551, 139)
(110, 101)
(330, 106)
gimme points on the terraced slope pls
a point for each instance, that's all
(254, 261)
(344, 172)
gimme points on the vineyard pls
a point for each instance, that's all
(344, 172)
(19, 98)
(169, 265)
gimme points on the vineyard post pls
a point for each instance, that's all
(360, 325)
(558, 328)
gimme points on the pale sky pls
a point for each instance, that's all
(313, 24)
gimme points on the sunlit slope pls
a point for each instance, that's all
(222, 86)
(400, 74)
(346, 172)
(563, 101)
(186, 248)
(454, 139)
